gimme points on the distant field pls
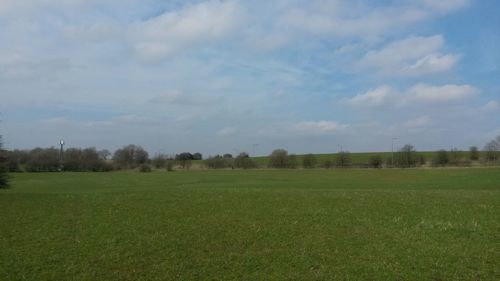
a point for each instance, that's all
(364, 224)
(360, 158)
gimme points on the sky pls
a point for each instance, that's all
(309, 76)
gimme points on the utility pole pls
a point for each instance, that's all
(392, 151)
(253, 147)
(61, 142)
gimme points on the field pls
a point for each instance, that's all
(363, 158)
(415, 224)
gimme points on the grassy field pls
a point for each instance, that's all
(415, 224)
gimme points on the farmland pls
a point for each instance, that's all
(342, 224)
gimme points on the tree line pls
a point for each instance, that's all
(88, 159)
(136, 157)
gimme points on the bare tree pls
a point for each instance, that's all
(343, 159)
(104, 154)
(492, 149)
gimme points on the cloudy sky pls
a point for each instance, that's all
(230, 76)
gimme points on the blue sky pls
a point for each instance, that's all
(232, 76)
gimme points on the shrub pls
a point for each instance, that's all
(375, 161)
(421, 160)
(159, 161)
(473, 153)
(218, 162)
(170, 165)
(145, 168)
(441, 158)
(243, 161)
(43, 160)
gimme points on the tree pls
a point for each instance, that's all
(309, 161)
(473, 153)
(184, 156)
(16, 159)
(218, 162)
(441, 158)
(104, 154)
(343, 159)
(160, 161)
(130, 156)
(87, 159)
(244, 161)
(492, 149)
(4, 177)
(197, 156)
(375, 161)
(184, 159)
(279, 159)
(43, 160)
(407, 156)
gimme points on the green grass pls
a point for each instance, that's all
(416, 224)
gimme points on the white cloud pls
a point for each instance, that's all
(317, 127)
(172, 31)
(445, 5)
(15, 66)
(233, 62)
(375, 97)
(437, 94)
(181, 98)
(226, 131)
(420, 93)
(434, 63)
(418, 122)
(414, 55)
(491, 106)
(349, 20)
(100, 31)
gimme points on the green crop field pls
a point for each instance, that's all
(415, 224)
